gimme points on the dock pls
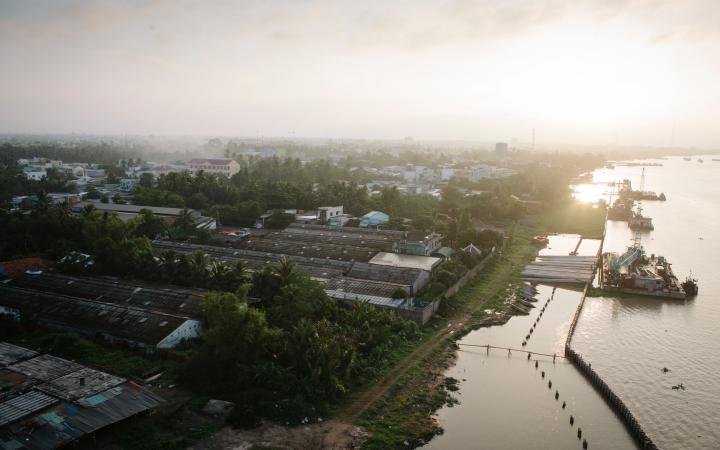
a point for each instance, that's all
(561, 269)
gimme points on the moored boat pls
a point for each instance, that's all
(634, 272)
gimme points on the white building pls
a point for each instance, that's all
(325, 213)
(227, 167)
(34, 173)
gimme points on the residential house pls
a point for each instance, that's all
(374, 219)
(419, 243)
(325, 213)
(34, 173)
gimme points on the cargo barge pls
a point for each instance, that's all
(634, 272)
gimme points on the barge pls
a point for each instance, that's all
(634, 272)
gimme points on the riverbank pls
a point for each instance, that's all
(402, 414)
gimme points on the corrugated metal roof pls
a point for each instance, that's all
(82, 383)
(24, 405)
(177, 301)
(60, 312)
(426, 263)
(65, 408)
(65, 422)
(46, 367)
(115, 207)
(10, 354)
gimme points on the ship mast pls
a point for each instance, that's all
(637, 237)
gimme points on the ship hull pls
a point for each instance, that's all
(658, 294)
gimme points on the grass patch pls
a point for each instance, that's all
(573, 218)
(124, 362)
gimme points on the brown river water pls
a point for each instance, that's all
(506, 404)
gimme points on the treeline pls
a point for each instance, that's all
(289, 358)
(99, 153)
(294, 356)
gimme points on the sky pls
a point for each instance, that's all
(630, 72)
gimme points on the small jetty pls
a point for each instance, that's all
(561, 269)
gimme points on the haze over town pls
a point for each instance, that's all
(632, 72)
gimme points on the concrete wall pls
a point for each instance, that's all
(472, 273)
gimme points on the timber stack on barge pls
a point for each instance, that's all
(634, 272)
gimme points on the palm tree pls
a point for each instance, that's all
(199, 263)
(285, 271)
(185, 221)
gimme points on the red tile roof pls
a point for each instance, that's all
(17, 267)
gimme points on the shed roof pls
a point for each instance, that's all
(10, 354)
(445, 252)
(426, 263)
(46, 367)
(80, 384)
(17, 267)
(24, 405)
(90, 317)
(63, 422)
(182, 302)
(132, 209)
(365, 287)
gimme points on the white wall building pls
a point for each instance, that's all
(227, 167)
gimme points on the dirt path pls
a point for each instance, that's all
(317, 436)
(353, 412)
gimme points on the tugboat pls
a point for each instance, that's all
(640, 222)
(634, 272)
(690, 286)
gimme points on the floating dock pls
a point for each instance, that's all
(561, 269)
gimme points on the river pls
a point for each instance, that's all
(506, 404)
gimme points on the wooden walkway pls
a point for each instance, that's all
(510, 349)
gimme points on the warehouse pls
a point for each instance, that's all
(115, 323)
(314, 249)
(180, 302)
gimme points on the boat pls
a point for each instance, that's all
(634, 272)
(540, 240)
(690, 286)
(716, 159)
(700, 160)
(662, 197)
(687, 158)
(621, 209)
(626, 191)
(640, 222)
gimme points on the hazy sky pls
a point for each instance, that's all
(579, 71)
